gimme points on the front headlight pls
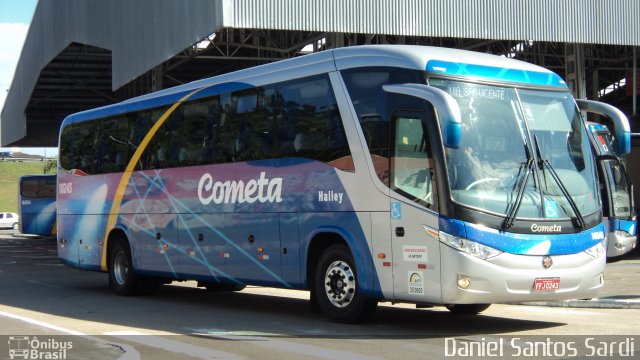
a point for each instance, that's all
(597, 250)
(470, 247)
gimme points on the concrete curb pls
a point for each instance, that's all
(596, 303)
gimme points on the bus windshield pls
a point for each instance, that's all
(505, 131)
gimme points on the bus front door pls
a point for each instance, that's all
(414, 198)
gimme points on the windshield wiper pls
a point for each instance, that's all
(542, 163)
(520, 189)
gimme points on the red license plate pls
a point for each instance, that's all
(546, 284)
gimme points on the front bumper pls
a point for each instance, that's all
(510, 278)
(620, 242)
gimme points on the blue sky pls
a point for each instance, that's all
(15, 17)
(17, 11)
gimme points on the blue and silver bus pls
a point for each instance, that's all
(37, 204)
(617, 192)
(364, 174)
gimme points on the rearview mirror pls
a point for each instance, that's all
(622, 130)
(446, 107)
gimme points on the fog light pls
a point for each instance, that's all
(463, 281)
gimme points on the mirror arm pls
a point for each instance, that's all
(622, 130)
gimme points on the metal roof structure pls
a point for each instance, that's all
(80, 54)
(613, 22)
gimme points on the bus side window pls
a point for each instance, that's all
(310, 125)
(29, 188)
(254, 113)
(211, 129)
(372, 106)
(141, 123)
(192, 143)
(48, 188)
(79, 137)
(115, 135)
(412, 172)
(227, 131)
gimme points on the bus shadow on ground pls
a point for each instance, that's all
(45, 286)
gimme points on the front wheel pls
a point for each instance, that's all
(336, 288)
(15, 226)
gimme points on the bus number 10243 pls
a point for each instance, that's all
(65, 188)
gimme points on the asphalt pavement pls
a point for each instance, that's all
(621, 289)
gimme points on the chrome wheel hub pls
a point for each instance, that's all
(120, 267)
(340, 284)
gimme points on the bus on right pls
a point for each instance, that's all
(618, 207)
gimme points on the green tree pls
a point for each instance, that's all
(50, 165)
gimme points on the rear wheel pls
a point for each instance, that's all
(15, 226)
(336, 289)
(468, 309)
(122, 278)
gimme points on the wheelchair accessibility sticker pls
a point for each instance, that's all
(396, 210)
(551, 209)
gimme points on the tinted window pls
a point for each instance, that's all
(412, 172)
(192, 142)
(118, 145)
(371, 103)
(106, 145)
(29, 188)
(309, 124)
(38, 188)
(248, 125)
(76, 147)
(292, 119)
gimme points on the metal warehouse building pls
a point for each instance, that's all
(81, 54)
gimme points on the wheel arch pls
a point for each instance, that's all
(115, 235)
(317, 245)
(323, 238)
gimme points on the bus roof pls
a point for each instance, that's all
(448, 62)
(434, 60)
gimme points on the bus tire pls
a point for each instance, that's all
(121, 275)
(336, 289)
(467, 309)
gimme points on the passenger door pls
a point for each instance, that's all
(414, 221)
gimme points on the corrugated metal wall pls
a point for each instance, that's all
(144, 33)
(140, 34)
(574, 21)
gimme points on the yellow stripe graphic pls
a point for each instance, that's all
(124, 180)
